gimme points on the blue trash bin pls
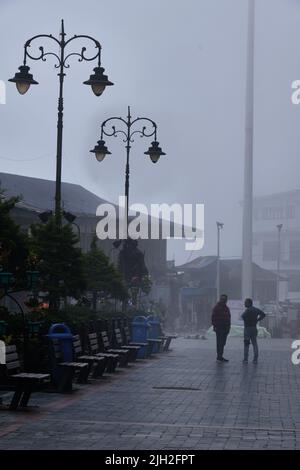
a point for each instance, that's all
(139, 334)
(154, 330)
(62, 333)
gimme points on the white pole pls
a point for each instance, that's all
(247, 279)
(219, 228)
(279, 227)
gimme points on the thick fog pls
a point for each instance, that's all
(181, 63)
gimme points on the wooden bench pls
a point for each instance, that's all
(122, 352)
(148, 346)
(166, 339)
(96, 363)
(22, 383)
(156, 344)
(119, 342)
(67, 371)
(127, 338)
(94, 349)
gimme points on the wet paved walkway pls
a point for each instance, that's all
(179, 400)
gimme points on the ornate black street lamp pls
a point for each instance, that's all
(154, 151)
(98, 82)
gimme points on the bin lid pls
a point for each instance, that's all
(60, 336)
(59, 330)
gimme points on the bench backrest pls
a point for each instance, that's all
(118, 337)
(77, 348)
(93, 343)
(12, 363)
(127, 334)
(12, 359)
(105, 339)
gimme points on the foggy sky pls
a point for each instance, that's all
(181, 63)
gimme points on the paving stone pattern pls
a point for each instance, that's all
(181, 400)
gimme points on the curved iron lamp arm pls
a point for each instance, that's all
(62, 44)
(143, 132)
(8, 294)
(114, 131)
(129, 124)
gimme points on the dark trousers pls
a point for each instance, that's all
(250, 336)
(221, 334)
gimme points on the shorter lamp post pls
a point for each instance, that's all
(128, 130)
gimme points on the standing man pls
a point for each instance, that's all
(251, 317)
(221, 320)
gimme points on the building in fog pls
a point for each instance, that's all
(269, 212)
(38, 197)
(198, 280)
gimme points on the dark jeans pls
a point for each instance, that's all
(250, 336)
(221, 334)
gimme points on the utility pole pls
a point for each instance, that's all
(279, 227)
(220, 226)
(247, 279)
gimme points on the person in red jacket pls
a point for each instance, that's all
(221, 321)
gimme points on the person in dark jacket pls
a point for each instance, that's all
(221, 320)
(251, 316)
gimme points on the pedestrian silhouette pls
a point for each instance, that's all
(221, 321)
(251, 316)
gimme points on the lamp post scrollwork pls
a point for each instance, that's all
(129, 131)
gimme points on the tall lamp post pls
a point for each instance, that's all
(220, 226)
(279, 228)
(154, 151)
(98, 82)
